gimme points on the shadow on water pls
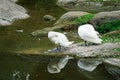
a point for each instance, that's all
(34, 67)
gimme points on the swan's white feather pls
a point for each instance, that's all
(59, 38)
(88, 33)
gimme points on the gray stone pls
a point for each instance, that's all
(89, 6)
(10, 11)
(67, 3)
(69, 16)
(49, 18)
(103, 17)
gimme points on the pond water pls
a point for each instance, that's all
(32, 66)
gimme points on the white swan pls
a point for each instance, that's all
(88, 33)
(59, 39)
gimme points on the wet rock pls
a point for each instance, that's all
(48, 18)
(44, 31)
(103, 17)
(10, 11)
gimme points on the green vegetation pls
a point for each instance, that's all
(116, 49)
(83, 19)
(112, 37)
(109, 26)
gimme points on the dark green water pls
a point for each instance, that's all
(18, 67)
(34, 67)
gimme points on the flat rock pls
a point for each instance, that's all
(107, 49)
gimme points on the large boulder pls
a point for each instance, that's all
(89, 6)
(10, 11)
(65, 19)
(103, 17)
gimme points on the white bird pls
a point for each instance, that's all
(88, 33)
(59, 39)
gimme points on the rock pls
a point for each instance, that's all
(112, 33)
(113, 67)
(65, 20)
(106, 49)
(10, 11)
(67, 3)
(20, 30)
(89, 6)
(14, 0)
(44, 31)
(103, 17)
(69, 16)
(49, 18)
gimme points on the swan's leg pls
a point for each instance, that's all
(86, 44)
(59, 47)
